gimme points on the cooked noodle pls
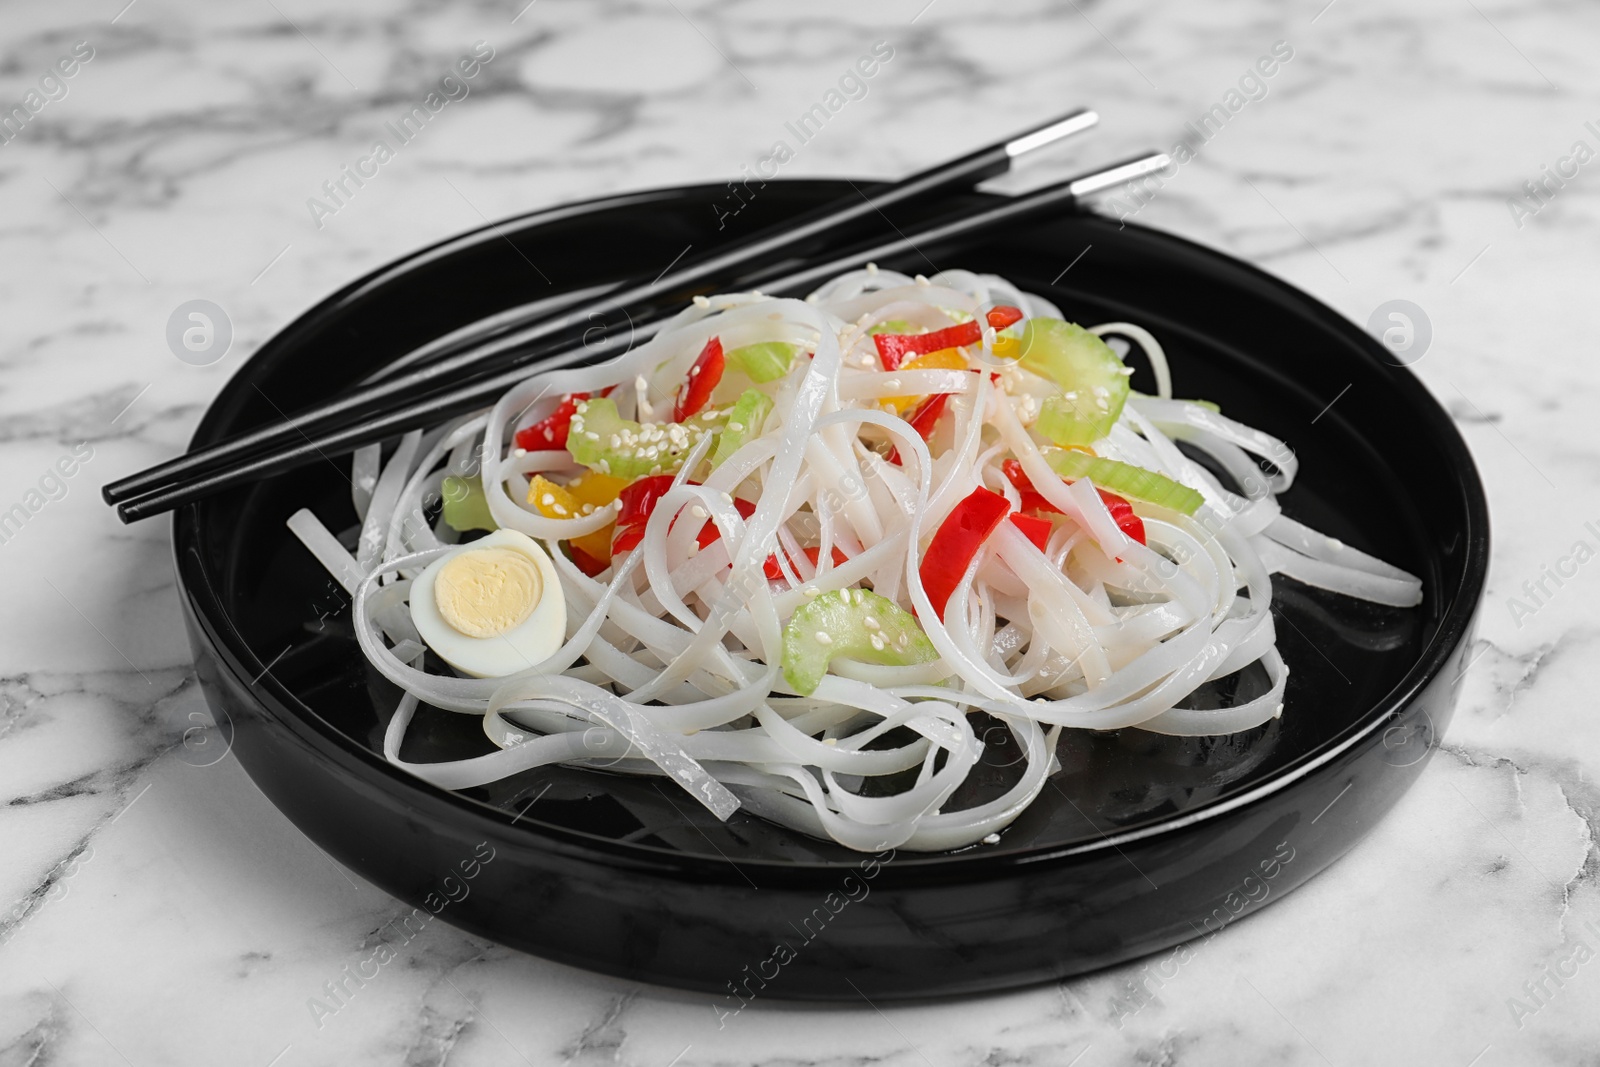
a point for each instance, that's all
(673, 655)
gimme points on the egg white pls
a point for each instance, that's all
(528, 643)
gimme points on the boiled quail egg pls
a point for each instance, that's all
(492, 607)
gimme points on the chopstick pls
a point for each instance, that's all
(465, 354)
(432, 409)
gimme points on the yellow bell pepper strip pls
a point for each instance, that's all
(595, 488)
(943, 359)
(558, 502)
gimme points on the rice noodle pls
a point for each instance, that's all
(671, 663)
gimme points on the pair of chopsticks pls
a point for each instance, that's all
(470, 368)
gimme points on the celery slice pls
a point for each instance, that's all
(1094, 380)
(852, 623)
(744, 422)
(602, 440)
(1209, 405)
(1125, 479)
(1074, 419)
(764, 362)
(465, 506)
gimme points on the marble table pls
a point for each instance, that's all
(165, 914)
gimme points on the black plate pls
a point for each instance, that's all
(1141, 842)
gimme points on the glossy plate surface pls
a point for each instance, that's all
(1139, 843)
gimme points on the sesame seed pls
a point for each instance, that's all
(701, 302)
(548, 499)
(877, 643)
(871, 623)
(591, 435)
(822, 638)
(736, 427)
(560, 510)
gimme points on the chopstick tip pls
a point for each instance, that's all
(1055, 130)
(1120, 173)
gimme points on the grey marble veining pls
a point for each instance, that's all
(163, 913)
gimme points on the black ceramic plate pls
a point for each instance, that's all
(1140, 842)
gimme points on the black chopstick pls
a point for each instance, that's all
(436, 408)
(465, 358)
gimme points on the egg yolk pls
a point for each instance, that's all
(486, 592)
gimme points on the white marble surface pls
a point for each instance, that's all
(166, 914)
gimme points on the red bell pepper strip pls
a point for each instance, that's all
(893, 348)
(637, 501)
(1033, 528)
(634, 505)
(927, 414)
(551, 432)
(957, 541)
(1032, 500)
(585, 562)
(627, 538)
(924, 419)
(709, 534)
(695, 393)
(774, 570)
(1002, 315)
